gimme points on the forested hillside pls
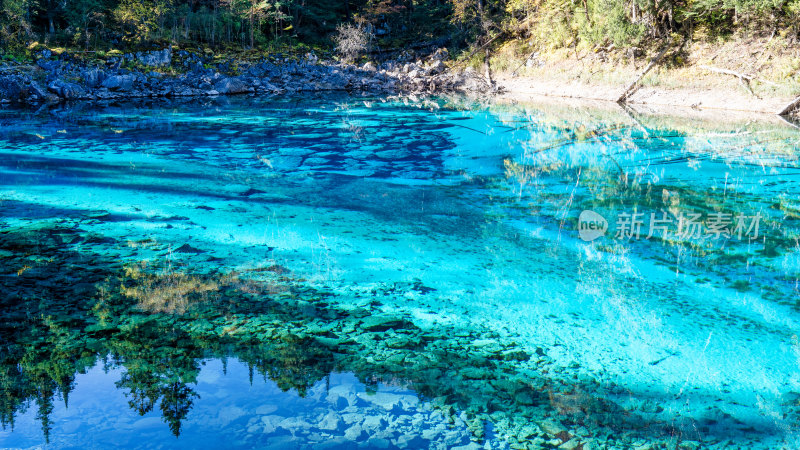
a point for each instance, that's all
(459, 24)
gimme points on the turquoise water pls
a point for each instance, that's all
(396, 273)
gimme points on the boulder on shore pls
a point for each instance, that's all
(232, 86)
(122, 83)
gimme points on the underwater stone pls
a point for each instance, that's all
(528, 431)
(229, 414)
(330, 422)
(409, 441)
(475, 373)
(392, 154)
(525, 398)
(385, 400)
(354, 433)
(351, 418)
(266, 409)
(378, 443)
(552, 427)
(470, 446)
(373, 423)
(402, 342)
(293, 424)
(431, 433)
(377, 323)
(571, 444)
(591, 444)
(271, 423)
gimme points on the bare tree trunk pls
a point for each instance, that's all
(487, 67)
(586, 11)
(632, 87)
(252, 12)
(214, 25)
(791, 107)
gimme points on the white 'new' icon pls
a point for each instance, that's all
(591, 225)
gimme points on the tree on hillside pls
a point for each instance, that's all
(143, 20)
(83, 15)
(15, 20)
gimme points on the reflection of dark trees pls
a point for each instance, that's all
(162, 372)
(290, 361)
(52, 326)
(143, 390)
(176, 402)
(48, 334)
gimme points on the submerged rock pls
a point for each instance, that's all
(554, 428)
(377, 323)
(354, 433)
(330, 422)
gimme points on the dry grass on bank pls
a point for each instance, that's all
(771, 63)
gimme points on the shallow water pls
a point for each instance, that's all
(427, 249)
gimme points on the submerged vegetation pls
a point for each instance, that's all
(74, 308)
(52, 331)
(76, 299)
(169, 291)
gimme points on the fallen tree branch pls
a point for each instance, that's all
(744, 78)
(633, 118)
(790, 108)
(514, 73)
(741, 76)
(466, 60)
(789, 122)
(632, 87)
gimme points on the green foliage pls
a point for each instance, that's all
(142, 20)
(15, 17)
(609, 22)
(265, 25)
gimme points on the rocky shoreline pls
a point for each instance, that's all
(53, 79)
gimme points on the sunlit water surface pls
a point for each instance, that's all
(338, 272)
